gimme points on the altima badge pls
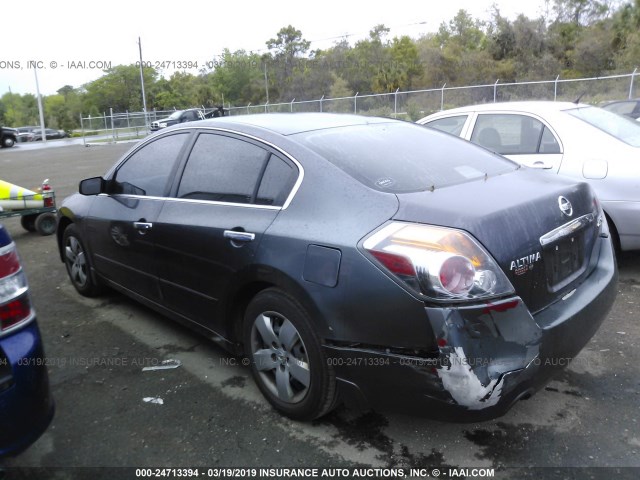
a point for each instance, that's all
(565, 206)
(520, 266)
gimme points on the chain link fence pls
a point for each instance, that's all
(114, 127)
(410, 105)
(415, 104)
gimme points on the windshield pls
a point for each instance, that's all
(403, 157)
(174, 115)
(623, 128)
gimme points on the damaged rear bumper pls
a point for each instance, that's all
(490, 356)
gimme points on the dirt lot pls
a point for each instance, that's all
(212, 415)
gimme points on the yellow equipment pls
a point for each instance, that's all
(37, 209)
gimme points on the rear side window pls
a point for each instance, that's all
(452, 125)
(513, 134)
(403, 157)
(277, 181)
(147, 171)
(222, 169)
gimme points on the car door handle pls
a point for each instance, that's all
(142, 227)
(542, 165)
(236, 236)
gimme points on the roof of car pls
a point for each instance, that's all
(531, 106)
(292, 123)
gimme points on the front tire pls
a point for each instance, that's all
(287, 361)
(78, 263)
(8, 142)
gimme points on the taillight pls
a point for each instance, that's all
(15, 312)
(598, 212)
(15, 306)
(9, 261)
(437, 262)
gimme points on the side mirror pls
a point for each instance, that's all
(92, 186)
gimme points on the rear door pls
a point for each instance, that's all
(521, 137)
(231, 190)
(121, 223)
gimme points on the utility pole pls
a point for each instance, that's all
(144, 97)
(42, 132)
(266, 82)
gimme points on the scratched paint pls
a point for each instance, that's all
(459, 379)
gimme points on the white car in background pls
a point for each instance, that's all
(575, 140)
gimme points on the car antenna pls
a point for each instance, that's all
(577, 100)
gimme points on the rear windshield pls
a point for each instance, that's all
(622, 128)
(403, 157)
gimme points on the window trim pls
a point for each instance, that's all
(184, 155)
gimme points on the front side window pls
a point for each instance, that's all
(513, 134)
(223, 169)
(147, 171)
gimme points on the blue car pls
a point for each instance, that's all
(26, 406)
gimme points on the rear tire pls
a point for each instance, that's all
(45, 223)
(287, 361)
(78, 263)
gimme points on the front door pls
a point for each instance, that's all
(121, 222)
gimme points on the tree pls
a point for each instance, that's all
(581, 12)
(18, 109)
(466, 32)
(285, 61)
(502, 37)
(120, 88)
(594, 54)
(626, 35)
(366, 60)
(180, 91)
(238, 77)
(400, 70)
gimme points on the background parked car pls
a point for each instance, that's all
(179, 116)
(352, 258)
(25, 134)
(26, 406)
(216, 112)
(8, 137)
(50, 134)
(580, 141)
(630, 108)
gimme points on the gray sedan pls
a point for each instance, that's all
(353, 259)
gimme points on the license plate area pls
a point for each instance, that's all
(565, 260)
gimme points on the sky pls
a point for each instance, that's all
(71, 42)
